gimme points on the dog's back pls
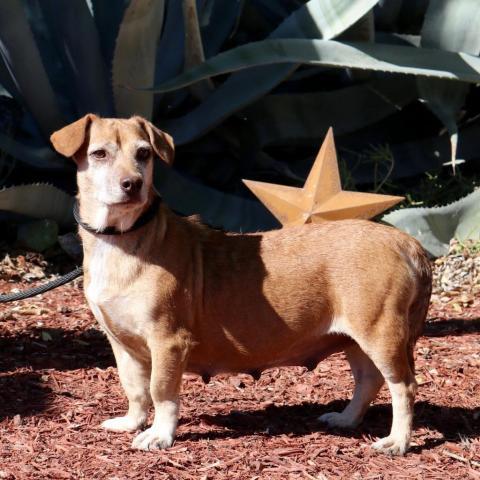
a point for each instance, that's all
(265, 295)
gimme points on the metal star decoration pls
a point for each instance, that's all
(322, 197)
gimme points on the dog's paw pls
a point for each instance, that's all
(338, 420)
(391, 446)
(152, 439)
(122, 424)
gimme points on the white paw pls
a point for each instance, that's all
(122, 424)
(152, 439)
(391, 446)
(339, 420)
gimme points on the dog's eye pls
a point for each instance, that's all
(100, 153)
(143, 153)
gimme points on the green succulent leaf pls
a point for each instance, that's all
(218, 209)
(435, 227)
(217, 21)
(27, 74)
(134, 56)
(38, 235)
(170, 57)
(316, 19)
(449, 25)
(107, 17)
(38, 200)
(76, 43)
(38, 157)
(283, 118)
(194, 52)
(368, 56)
(323, 19)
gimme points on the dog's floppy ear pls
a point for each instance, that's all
(161, 142)
(70, 139)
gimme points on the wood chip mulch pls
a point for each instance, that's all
(58, 382)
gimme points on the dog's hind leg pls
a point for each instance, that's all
(402, 385)
(368, 381)
(393, 356)
(135, 379)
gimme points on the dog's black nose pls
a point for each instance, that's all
(131, 184)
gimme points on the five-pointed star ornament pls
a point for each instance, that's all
(322, 197)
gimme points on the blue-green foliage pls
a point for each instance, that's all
(260, 120)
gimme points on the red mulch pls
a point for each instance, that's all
(58, 383)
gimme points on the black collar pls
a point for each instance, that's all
(141, 221)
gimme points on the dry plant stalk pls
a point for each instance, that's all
(194, 54)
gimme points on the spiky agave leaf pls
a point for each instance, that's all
(23, 61)
(134, 56)
(285, 118)
(449, 25)
(38, 235)
(316, 19)
(194, 54)
(329, 53)
(107, 17)
(38, 157)
(435, 227)
(38, 200)
(218, 209)
(75, 43)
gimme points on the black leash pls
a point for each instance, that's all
(31, 292)
(57, 282)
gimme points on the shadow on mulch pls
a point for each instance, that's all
(297, 420)
(42, 348)
(61, 349)
(24, 394)
(451, 326)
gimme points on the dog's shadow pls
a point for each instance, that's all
(454, 423)
(63, 349)
(55, 348)
(26, 355)
(24, 392)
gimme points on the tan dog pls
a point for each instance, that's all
(173, 295)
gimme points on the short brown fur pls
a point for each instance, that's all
(176, 295)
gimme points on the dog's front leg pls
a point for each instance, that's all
(168, 363)
(134, 377)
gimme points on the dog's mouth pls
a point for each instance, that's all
(130, 201)
(125, 203)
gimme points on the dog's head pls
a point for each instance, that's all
(115, 164)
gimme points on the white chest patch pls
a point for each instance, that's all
(104, 301)
(97, 288)
(98, 269)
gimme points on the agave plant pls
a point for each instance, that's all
(248, 88)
